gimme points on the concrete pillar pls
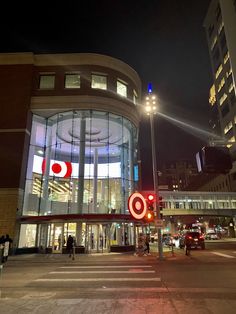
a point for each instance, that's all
(81, 164)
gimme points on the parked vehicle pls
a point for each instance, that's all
(212, 236)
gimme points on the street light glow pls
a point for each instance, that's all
(151, 110)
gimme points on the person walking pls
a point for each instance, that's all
(2, 242)
(69, 245)
(147, 243)
(7, 244)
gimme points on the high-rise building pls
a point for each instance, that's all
(69, 154)
(220, 26)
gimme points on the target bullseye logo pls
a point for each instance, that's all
(137, 205)
(61, 169)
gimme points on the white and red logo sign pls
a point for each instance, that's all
(137, 205)
(65, 169)
(61, 169)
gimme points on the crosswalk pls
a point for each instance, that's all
(138, 276)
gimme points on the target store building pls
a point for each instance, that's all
(69, 151)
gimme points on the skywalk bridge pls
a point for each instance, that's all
(181, 203)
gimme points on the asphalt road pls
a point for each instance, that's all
(204, 282)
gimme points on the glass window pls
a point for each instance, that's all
(122, 88)
(99, 81)
(135, 97)
(27, 235)
(72, 81)
(47, 81)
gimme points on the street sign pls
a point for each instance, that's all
(137, 205)
(158, 223)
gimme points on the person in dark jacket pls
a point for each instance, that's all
(7, 244)
(69, 245)
(2, 242)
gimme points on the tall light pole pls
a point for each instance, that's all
(151, 110)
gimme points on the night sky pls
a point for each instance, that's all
(163, 40)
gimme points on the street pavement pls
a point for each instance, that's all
(204, 282)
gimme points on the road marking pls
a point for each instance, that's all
(108, 266)
(132, 271)
(223, 255)
(96, 279)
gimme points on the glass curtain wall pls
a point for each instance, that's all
(80, 162)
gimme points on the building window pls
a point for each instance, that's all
(135, 97)
(99, 81)
(225, 110)
(47, 81)
(222, 83)
(226, 57)
(213, 42)
(72, 80)
(220, 68)
(220, 27)
(27, 235)
(121, 88)
(222, 99)
(228, 127)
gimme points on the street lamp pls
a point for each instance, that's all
(151, 110)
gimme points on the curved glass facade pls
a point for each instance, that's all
(80, 162)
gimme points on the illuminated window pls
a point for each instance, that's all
(228, 127)
(27, 235)
(135, 97)
(226, 57)
(122, 88)
(222, 99)
(229, 73)
(222, 83)
(220, 68)
(231, 141)
(47, 81)
(212, 96)
(220, 27)
(72, 80)
(213, 42)
(231, 87)
(99, 81)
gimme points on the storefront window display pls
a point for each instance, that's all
(80, 162)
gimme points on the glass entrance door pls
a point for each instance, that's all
(57, 236)
(97, 238)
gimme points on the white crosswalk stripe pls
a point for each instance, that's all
(137, 271)
(223, 255)
(96, 279)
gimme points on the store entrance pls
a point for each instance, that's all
(57, 236)
(97, 238)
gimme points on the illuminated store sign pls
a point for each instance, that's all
(64, 169)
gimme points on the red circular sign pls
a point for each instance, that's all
(137, 205)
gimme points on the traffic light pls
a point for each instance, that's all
(214, 159)
(149, 216)
(161, 206)
(150, 202)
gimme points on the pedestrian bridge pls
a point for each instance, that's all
(198, 203)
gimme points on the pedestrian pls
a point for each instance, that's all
(7, 245)
(147, 243)
(140, 250)
(69, 245)
(2, 241)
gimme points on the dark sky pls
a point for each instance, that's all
(163, 40)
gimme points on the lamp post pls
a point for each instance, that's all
(151, 110)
